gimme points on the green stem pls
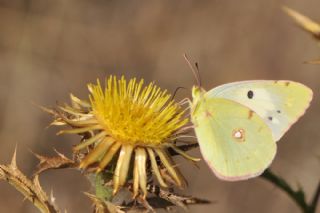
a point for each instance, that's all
(315, 199)
(296, 195)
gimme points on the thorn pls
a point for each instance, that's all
(14, 158)
(39, 157)
(35, 180)
(60, 154)
(45, 109)
(25, 198)
(60, 132)
(97, 171)
(52, 198)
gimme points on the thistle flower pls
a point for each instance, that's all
(127, 124)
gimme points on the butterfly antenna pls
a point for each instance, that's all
(195, 73)
(176, 91)
(198, 72)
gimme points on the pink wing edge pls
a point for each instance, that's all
(238, 178)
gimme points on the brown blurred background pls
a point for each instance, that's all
(51, 48)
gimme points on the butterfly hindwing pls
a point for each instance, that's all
(235, 142)
(278, 103)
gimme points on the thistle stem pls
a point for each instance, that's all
(315, 199)
(296, 195)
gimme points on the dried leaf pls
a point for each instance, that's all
(313, 62)
(31, 189)
(145, 204)
(45, 109)
(56, 162)
(163, 199)
(175, 199)
(304, 22)
(103, 206)
(78, 103)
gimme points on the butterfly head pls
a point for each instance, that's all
(197, 92)
(197, 95)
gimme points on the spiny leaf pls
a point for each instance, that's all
(31, 189)
(164, 199)
(56, 162)
(101, 206)
(145, 204)
(174, 198)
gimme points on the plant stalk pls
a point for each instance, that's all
(297, 196)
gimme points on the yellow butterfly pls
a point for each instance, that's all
(237, 124)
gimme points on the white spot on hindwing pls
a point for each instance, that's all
(239, 135)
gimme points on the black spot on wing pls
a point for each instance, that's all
(250, 94)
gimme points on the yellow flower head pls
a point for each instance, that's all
(125, 121)
(135, 114)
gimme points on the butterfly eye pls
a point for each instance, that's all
(250, 94)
